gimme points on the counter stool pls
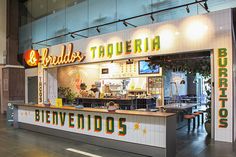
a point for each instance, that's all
(197, 114)
(202, 114)
(189, 117)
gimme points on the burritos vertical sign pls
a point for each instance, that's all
(223, 87)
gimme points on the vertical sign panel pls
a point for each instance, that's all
(223, 98)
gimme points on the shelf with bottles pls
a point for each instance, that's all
(155, 88)
(155, 85)
(154, 91)
(139, 93)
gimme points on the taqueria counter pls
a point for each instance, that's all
(147, 133)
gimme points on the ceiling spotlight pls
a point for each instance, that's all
(98, 30)
(187, 9)
(152, 18)
(124, 23)
(72, 36)
(127, 23)
(205, 5)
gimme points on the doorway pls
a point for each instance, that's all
(188, 89)
(33, 89)
(187, 83)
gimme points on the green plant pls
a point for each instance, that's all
(190, 67)
(208, 104)
(66, 92)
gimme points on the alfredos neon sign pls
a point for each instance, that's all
(67, 56)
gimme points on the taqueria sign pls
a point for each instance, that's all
(126, 47)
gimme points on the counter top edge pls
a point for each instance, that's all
(125, 112)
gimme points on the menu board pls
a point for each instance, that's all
(119, 70)
(123, 69)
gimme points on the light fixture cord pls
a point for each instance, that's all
(152, 9)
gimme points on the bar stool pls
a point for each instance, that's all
(197, 114)
(202, 114)
(189, 117)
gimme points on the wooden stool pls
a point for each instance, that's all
(202, 113)
(197, 114)
(189, 117)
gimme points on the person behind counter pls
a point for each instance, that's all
(95, 90)
(84, 92)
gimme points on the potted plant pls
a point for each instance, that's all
(67, 95)
(208, 121)
(208, 110)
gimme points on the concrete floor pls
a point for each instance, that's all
(23, 143)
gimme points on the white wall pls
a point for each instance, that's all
(52, 85)
(234, 79)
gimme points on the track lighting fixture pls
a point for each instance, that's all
(125, 24)
(202, 3)
(152, 18)
(73, 35)
(187, 9)
(98, 30)
(205, 5)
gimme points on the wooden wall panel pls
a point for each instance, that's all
(13, 86)
(13, 75)
(16, 83)
(12, 32)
